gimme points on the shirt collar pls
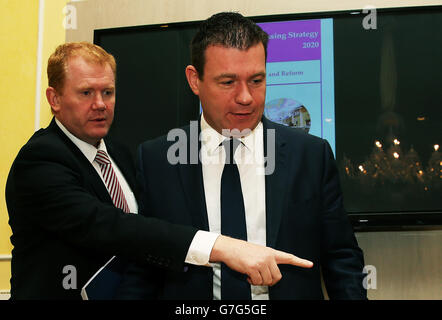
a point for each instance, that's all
(210, 138)
(87, 149)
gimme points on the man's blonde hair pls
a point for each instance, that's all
(58, 61)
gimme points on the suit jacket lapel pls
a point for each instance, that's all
(89, 173)
(275, 183)
(191, 177)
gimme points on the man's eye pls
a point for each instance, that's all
(227, 82)
(108, 92)
(86, 93)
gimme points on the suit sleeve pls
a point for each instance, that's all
(47, 191)
(342, 259)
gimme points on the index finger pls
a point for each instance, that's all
(287, 258)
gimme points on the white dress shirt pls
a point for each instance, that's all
(249, 157)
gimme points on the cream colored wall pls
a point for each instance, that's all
(100, 14)
(19, 29)
(408, 264)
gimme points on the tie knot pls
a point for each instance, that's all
(230, 146)
(102, 158)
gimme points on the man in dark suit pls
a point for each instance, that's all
(70, 193)
(291, 196)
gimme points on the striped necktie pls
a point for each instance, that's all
(110, 178)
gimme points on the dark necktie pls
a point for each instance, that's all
(111, 180)
(234, 285)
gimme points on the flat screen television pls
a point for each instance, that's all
(369, 81)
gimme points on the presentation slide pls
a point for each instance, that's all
(300, 78)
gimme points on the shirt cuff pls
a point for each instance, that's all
(201, 247)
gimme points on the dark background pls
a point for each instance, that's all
(152, 91)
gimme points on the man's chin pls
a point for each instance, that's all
(96, 136)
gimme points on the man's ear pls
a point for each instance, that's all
(53, 99)
(193, 79)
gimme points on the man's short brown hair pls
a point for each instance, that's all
(58, 61)
(226, 29)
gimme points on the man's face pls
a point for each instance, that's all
(86, 105)
(233, 88)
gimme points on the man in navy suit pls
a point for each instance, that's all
(289, 181)
(67, 213)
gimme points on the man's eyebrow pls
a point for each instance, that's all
(90, 87)
(259, 74)
(234, 76)
(226, 75)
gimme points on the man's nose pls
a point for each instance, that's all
(243, 95)
(98, 102)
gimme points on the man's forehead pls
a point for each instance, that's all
(86, 63)
(85, 70)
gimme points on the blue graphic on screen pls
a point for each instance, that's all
(300, 76)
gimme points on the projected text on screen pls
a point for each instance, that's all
(300, 80)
